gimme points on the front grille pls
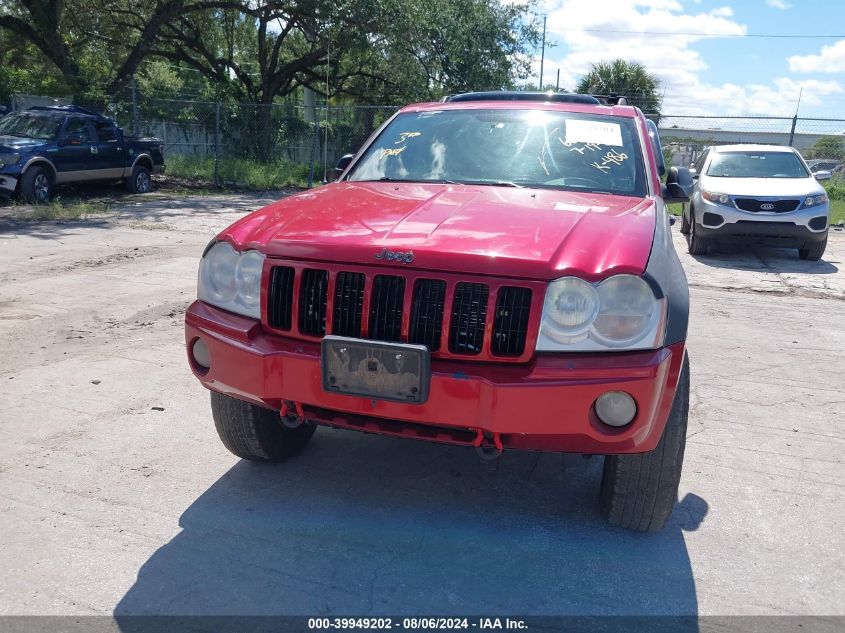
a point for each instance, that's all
(510, 325)
(312, 302)
(427, 307)
(778, 206)
(280, 308)
(373, 306)
(348, 304)
(469, 314)
(386, 308)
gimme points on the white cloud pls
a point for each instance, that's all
(779, 4)
(660, 34)
(831, 59)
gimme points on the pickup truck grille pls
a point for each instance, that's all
(778, 206)
(453, 316)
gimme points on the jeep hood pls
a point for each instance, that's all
(504, 231)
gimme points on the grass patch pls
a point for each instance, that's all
(242, 172)
(72, 211)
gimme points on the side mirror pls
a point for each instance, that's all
(693, 173)
(342, 164)
(823, 175)
(679, 185)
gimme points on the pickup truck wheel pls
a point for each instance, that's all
(639, 491)
(140, 180)
(813, 252)
(256, 433)
(697, 245)
(36, 185)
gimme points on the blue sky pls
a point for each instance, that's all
(693, 48)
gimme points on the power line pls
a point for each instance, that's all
(770, 35)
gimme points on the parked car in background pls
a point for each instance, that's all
(496, 271)
(761, 194)
(823, 164)
(46, 146)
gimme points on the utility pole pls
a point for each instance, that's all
(557, 83)
(543, 54)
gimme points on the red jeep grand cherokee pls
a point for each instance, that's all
(495, 271)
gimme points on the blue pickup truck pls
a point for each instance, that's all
(46, 146)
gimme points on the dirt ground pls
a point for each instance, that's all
(117, 497)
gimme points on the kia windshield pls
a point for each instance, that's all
(756, 165)
(508, 147)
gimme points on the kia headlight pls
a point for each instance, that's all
(619, 313)
(231, 280)
(9, 159)
(717, 198)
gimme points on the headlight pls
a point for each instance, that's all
(810, 201)
(717, 198)
(620, 312)
(231, 280)
(9, 159)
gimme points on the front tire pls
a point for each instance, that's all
(639, 491)
(36, 185)
(684, 223)
(256, 433)
(697, 245)
(140, 181)
(813, 252)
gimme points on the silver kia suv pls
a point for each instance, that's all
(762, 194)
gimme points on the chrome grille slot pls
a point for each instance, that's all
(313, 294)
(280, 298)
(386, 308)
(469, 315)
(427, 307)
(510, 324)
(348, 304)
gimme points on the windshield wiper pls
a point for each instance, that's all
(438, 181)
(494, 183)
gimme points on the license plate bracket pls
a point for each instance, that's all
(398, 372)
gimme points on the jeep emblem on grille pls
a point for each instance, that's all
(395, 256)
(767, 206)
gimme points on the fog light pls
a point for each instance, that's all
(202, 357)
(616, 408)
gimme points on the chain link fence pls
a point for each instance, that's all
(266, 146)
(820, 141)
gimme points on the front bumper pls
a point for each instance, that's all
(546, 405)
(790, 229)
(8, 184)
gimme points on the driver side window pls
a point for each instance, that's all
(78, 128)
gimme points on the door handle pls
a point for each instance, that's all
(94, 149)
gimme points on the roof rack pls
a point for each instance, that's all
(520, 95)
(612, 99)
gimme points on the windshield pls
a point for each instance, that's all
(531, 148)
(756, 165)
(30, 125)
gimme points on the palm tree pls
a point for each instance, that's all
(621, 77)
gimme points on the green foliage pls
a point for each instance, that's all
(621, 77)
(835, 189)
(829, 147)
(244, 172)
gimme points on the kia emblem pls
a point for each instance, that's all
(767, 206)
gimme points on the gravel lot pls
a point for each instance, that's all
(117, 497)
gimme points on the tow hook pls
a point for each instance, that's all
(291, 414)
(488, 445)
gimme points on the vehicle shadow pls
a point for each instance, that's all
(763, 259)
(382, 526)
